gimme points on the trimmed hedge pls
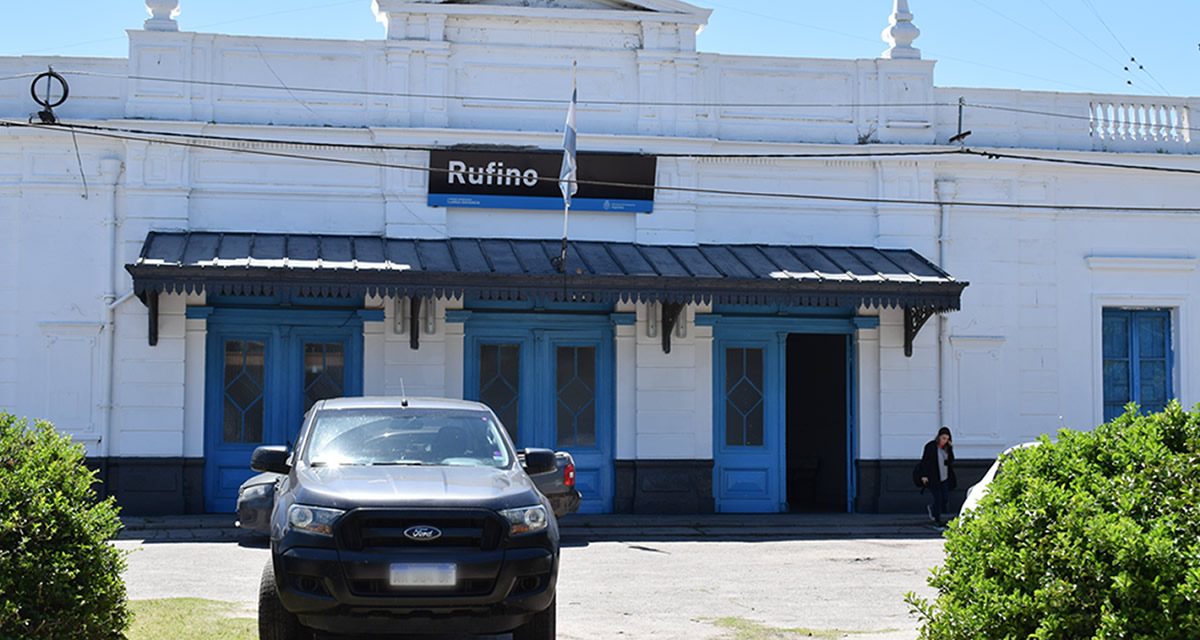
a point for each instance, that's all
(1096, 535)
(59, 576)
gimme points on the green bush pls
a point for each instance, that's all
(1096, 535)
(59, 576)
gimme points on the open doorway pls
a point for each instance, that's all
(817, 440)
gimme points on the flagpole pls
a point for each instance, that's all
(568, 178)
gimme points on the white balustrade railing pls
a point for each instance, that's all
(1140, 122)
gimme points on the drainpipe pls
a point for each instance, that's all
(945, 191)
(112, 169)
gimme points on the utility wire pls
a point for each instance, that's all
(701, 190)
(205, 26)
(991, 154)
(561, 102)
(777, 19)
(1132, 58)
(503, 99)
(1047, 39)
(1083, 35)
(388, 147)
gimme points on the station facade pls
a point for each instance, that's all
(764, 304)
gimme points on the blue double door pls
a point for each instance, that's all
(551, 387)
(756, 434)
(265, 369)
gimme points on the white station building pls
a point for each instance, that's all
(765, 303)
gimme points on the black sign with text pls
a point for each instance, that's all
(529, 180)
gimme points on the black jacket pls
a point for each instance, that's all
(929, 466)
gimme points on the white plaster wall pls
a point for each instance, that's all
(51, 320)
(424, 371)
(1023, 352)
(150, 382)
(10, 315)
(673, 392)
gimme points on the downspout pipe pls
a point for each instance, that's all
(945, 191)
(112, 169)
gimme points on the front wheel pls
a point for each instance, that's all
(541, 627)
(275, 622)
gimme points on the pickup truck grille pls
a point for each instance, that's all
(368, 529)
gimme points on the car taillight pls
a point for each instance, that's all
(569, 475)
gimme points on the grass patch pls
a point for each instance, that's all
(743, 629)
(190, 619)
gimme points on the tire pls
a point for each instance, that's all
(541, 627)
(275, 622)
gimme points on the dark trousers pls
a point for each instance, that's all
(939, 491)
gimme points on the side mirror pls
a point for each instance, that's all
(273, 459)
(538, 461)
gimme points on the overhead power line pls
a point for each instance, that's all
(1132, 58)
(503, 99)
(985, 153)
(391, 147)
(700, 190)
(628, 103)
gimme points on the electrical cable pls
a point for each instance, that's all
(699, 190)
(505, 99)
(731, 156)
(1132, 58)
(381, 147)
(1047, 39)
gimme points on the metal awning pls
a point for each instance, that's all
(516, 269)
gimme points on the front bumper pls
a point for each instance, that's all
(347, 592)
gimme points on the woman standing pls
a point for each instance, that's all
(937, 472)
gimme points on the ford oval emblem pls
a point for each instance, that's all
(422, 533)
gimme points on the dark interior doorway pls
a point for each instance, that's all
(817, 422)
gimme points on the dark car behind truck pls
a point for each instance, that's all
(408, 516)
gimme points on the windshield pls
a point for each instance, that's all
(402, 436)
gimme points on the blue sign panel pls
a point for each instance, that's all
(617, 183)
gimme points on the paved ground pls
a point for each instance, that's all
(628, 577)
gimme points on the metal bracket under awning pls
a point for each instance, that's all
(150, 299)
(914, 319)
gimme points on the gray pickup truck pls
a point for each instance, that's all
(407, 516)
(256, 496)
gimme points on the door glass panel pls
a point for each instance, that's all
(500, 382)
(575, 378)
(744, 397)
(324, 372)
(243, 391)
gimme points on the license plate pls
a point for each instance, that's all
(424, 575)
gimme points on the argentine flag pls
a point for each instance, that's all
(568, 177)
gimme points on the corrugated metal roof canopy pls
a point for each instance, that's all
(507, 269)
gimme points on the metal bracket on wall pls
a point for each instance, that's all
(671, 312)
(150, 299)
(914, 319)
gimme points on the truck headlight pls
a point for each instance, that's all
(526, 519)
(315, 520)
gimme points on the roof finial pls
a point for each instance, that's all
(900, 34)
(162, 15)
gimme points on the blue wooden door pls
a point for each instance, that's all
(552, 388)
(577, 403)
(262, 376)
(749, 419)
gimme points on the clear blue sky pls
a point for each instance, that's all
(1060, 45)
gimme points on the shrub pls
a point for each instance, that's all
(1096, 535)
(59, 576)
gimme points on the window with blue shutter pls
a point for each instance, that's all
(1137, 360)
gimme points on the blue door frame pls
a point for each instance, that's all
(749, 477)
(538, 338)
(277, 340)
